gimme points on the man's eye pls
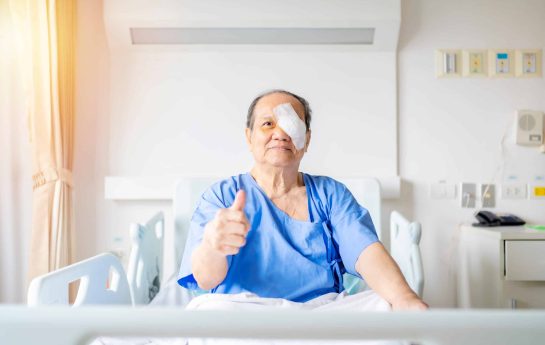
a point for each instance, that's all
(267, 123)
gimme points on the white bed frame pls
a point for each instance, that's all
(71, 326)
(145, 267)
(102, 280)
(405, 249)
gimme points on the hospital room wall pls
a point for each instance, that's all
(448, 129)
(91, 129)
(451, 129)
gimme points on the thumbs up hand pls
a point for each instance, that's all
(226, 233)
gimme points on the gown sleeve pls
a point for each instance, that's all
(352, 227)
(211, 201)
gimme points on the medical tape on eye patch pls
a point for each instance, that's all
(289, 121)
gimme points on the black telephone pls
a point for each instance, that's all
(487, 218)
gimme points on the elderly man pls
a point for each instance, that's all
(279, 233)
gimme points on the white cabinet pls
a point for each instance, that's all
(501, 267)
(525, 260)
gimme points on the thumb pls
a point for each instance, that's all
(240, 200)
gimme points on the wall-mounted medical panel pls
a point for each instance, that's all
(475, 63)
(501, 63)
(493, 63)
(528, 63)
(448, 63)
(529, 128)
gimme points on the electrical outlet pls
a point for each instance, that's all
(488, 195)
(514, 191)
(442, 190)
(474, 63)
(501, 63)
(467, 195)
(528, 63)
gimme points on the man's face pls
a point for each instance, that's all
(268, 143)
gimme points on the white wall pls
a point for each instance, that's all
(451, 129)
(91, 131)
(182, 112)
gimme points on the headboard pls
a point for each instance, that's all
(187, 193)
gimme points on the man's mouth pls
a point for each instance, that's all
(282, 148)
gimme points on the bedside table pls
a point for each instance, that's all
(501, 267)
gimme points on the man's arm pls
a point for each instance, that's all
(223, 236)
(209, 266)
(383, 275)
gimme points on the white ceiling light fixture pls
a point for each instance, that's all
(252, 35)
(371, 25)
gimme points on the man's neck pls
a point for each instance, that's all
(276, 181)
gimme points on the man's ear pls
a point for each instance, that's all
(248, 133)
(309, 134)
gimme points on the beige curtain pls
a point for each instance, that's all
(15, 168)
(47, 29)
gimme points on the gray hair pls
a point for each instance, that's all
(304, 103)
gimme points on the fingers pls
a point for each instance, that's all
(240, 201)
(227, 232)
(230, 227)
(226, 216)
(227, 244)
(235, 241)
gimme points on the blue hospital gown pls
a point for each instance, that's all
(284, 257)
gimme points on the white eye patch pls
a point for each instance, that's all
(289, 121)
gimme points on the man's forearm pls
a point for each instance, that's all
(382, 274)
(209, 267)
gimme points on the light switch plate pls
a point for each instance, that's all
(488, 195)
(448, 63)
(468, 193)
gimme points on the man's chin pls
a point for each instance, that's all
(282, 162)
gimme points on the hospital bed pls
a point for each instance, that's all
(145, 267)
(145, 264)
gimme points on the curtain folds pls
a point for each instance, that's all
(48, 56)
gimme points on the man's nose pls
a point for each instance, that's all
(279, 134)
